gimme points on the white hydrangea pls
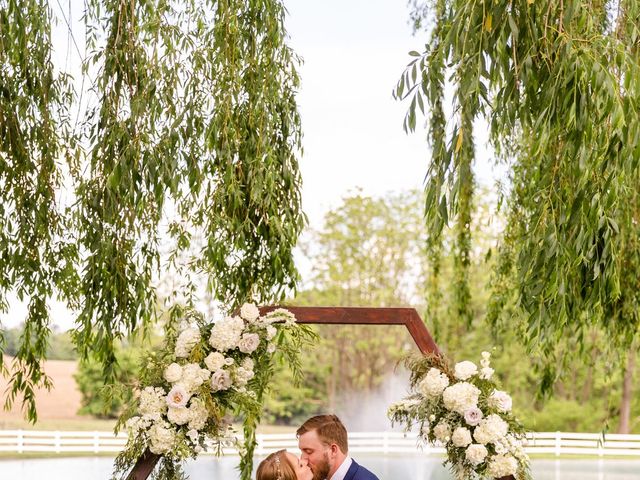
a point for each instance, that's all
(460, 397)
(465, 370)
(490, 430)
(173, 373)
(179, 416)
(461, 437)
(220, 380)
(280, 315)
(442, 432)
(198, 414)
(226, 333)
(193, 435)
(152, 401)
(475, 454)
(214, 361)
(247, 364)
(249, 342)
(249, 312)
(501, 466)
(134, 425)
(500, 400)
(193, 376)
(486, 373)
(433, 384)
(186, 341)
(162, 438)
(271, 332)
(242, 375)
(177, 397)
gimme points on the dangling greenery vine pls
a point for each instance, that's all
(557, 83)
(189, 124)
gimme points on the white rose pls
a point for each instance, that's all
(500, 400)
(442, 431)
(214, 361)
(465, 370)
(220, 380)
(473, 416)
(179, 416)
(475, 454)
(271, 348)
(177, 397)
(461, 437)
(173, 373)
(249, 342)
(249, 312)
(460, 397)
(433, 383)
(502, 466)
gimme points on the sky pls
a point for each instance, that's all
(354, 52)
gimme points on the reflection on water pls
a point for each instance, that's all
(387, 468)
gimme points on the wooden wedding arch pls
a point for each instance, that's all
(333, 316)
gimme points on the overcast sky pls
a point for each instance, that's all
(354, 51)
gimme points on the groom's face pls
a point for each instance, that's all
(316, 453)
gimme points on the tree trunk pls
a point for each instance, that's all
(627, 386)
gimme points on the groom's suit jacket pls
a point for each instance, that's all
(358, 472)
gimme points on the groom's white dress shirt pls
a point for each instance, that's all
(342, 470)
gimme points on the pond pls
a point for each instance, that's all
(409, 467)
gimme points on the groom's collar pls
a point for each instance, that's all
(342, 470)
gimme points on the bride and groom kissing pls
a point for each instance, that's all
(325, 455)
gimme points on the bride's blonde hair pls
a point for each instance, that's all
(276, 467)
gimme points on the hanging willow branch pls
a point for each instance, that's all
(192, 123)
(558, 84)
(36, 258)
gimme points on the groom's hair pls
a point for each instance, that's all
(329, 429)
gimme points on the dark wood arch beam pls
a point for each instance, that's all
(366, 316)
(332, 316)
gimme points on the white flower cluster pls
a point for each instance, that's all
(176, 411)
(466, 413)
(460, 397)
(434, 383)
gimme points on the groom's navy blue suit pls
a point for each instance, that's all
(358, 472)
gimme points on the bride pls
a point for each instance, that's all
(282, 465)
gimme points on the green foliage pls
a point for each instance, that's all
(558, 84)
(186, 125)
(100, 400)
(37, 258)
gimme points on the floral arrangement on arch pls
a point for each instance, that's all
(206, 374)
(464, 410)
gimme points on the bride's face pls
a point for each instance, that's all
(303, 472)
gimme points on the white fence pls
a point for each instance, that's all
(548, 443)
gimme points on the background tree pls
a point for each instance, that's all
(557, 84)
(185, 120)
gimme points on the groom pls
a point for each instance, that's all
(323, 442)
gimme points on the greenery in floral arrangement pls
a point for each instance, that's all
(463, 410)
(206, 373)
